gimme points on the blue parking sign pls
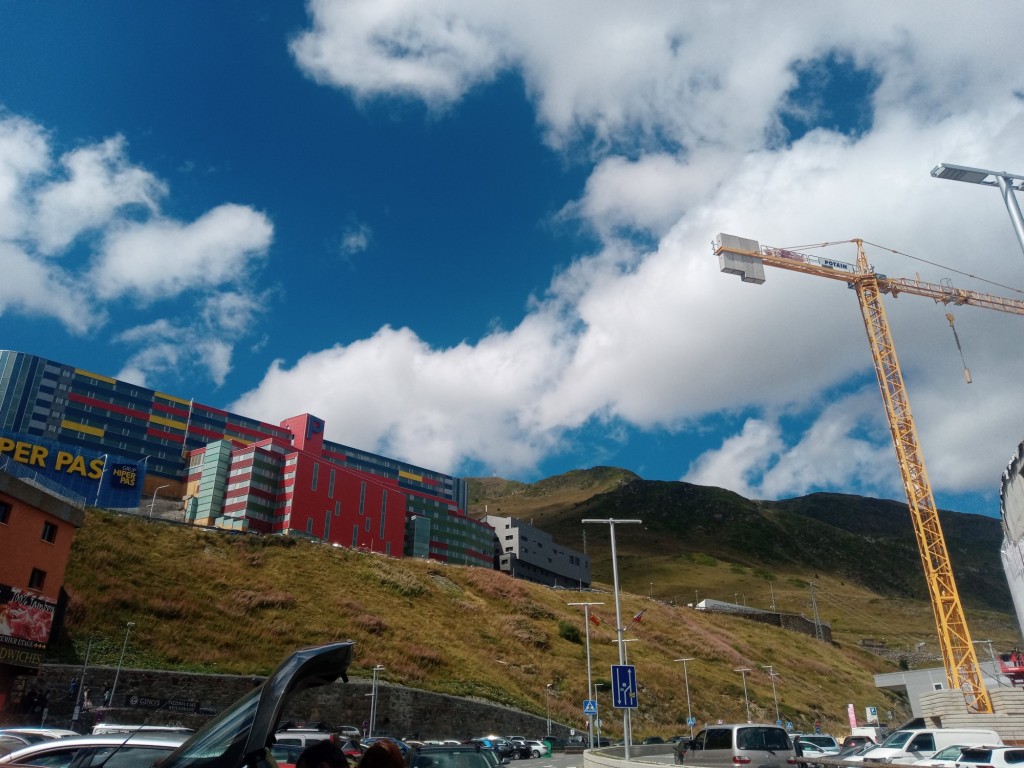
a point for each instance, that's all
(624, 686)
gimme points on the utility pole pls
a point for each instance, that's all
(819, 633)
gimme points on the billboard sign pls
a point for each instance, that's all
(103, 480)
(25, 621)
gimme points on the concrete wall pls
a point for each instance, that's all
(401, 711)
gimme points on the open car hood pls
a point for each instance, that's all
(239, 735)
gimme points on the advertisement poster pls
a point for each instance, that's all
(25, 621)
(99, 479)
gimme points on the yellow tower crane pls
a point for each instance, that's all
(747, 258)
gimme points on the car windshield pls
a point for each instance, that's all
(897, 739)
(222, 740)
(454, 758)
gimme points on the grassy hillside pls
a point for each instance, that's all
(239, 603)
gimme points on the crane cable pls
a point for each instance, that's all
(967, 372)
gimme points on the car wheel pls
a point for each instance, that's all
(535, 753)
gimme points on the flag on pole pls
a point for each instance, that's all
(640, 616)
(596, 619)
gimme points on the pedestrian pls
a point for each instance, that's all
(73, 688)
(322, 754)
(106, 696)
(86, 701)
(382, 754)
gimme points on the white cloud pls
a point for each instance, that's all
(219, 247)
(30, 287)
(46, 208)
(99, 182)
(356, 239)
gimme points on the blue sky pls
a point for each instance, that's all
(476, 235)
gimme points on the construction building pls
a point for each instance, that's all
(525, 552)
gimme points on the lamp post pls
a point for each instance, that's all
(547, 698)
(771, 675)
(373, 699)
(686, 682)
(625, 653)
(120, 661)
(590, 685)
(597, 722)
(99, 483)
(1008, 183)
(81, 683)
(153, 502)
(627, 736)
(746, 700)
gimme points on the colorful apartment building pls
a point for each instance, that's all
(234, 472)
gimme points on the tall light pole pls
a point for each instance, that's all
(153, 502)
(547, 698)
(686, 681)
(627, 735)
(597, 722)
(771, 674)
(590, 685)
(99, 483)
(746, 700)
(81, 683)
(625, 653)
(120, 661)
(373, 699)
(1008, 183)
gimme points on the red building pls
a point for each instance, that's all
(309, 487)
(36, 531)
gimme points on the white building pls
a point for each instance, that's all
(1011, 508)
(525, 552)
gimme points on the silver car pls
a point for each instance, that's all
(115, 750)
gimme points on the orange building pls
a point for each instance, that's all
(36, 531)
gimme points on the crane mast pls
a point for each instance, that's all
(746, 258)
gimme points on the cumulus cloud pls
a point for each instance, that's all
(215, 249)
(81, 233)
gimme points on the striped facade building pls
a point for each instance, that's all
(236, 472)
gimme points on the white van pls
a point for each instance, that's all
(907, 746)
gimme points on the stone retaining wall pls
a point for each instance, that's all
(401, 711)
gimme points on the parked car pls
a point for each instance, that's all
(653, 740)
(944, 758)
(537, 748)
(856, 741)
(110, 750)
(464, 756)
(996, 757)
(824, 742)
(767, 746)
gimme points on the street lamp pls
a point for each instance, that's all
(625, 654)
(1008, 183)
(627, 735)
(120, 661)
(153, 502)
(373, 699)
(686, 681)
(746, 700)
(771, 675)
(99, 483)
(590, 686)
(547, 698)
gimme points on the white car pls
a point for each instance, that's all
(944, 758)
(991, 757)
(821, 741)
(537, 748)
(113, 750)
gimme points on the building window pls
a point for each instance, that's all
(368, 521)
(355, 536)
(37, 579)
(316, 475)
(5, 512)
(49, 532)
(309, 526)
(383, 516)
(330, 486)
(362, 497)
